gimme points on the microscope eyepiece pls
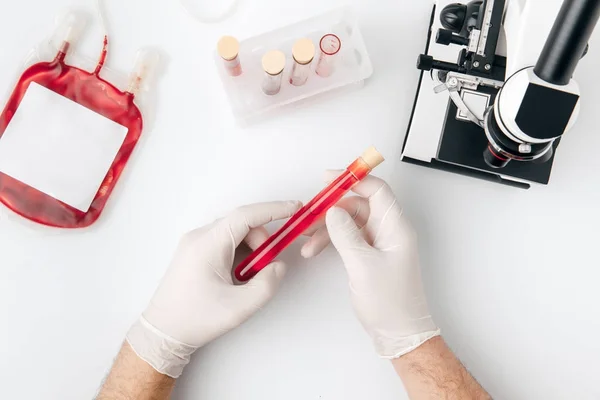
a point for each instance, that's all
(568, 41)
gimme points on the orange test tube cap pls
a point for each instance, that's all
(303, 51)
(228, 48)
(273, 62)
(372, 157)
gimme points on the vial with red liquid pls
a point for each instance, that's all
(228, 48)
(273, 63)
(308, 215)
(330, 45)
(303, 53)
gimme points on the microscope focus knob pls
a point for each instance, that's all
(453, 17)
(425, 62)
(446, 37)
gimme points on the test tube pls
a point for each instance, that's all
(330, 45)
(308, 215)
(273, 64)
(228, 48)
(303, 53)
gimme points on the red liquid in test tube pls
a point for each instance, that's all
(228, 48)
(330, 46)
(308, 215)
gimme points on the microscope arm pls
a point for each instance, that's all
(539, 102)
(567, 41)
(526, 28)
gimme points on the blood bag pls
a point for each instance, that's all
(66, 134)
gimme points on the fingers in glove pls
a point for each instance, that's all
(314, 227)
(260, 289)
(375, 189)
(264, 285)
(359, 210)
(384, 207)
(344, 233)
(316, 244)
(245, 218)
(256, 237)
(355, 207)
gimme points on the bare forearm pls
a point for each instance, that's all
(432, 372)
(132, 378)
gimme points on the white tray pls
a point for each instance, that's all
(353, 65)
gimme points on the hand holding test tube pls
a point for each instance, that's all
(308, 215)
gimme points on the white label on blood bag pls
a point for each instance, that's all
(59, 147)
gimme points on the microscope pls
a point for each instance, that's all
(496, 92)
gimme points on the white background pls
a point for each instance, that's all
(511, 275)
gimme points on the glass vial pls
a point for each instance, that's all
(330, 46)
(273, 64)
(229, 49)
(303, 53)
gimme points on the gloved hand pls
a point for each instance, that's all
(379, 249)
(197, 300)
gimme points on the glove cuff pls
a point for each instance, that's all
(404, 345)
(165, 354)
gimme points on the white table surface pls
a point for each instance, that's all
(511, 275)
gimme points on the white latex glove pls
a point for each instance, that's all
(197, 301)
(381, 257)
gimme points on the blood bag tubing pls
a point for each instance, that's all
(57, 58)
(308, 215)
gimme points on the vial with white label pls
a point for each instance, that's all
(273, 64)
(229, 49)
(303, 53)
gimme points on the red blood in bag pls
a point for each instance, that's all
(94, 93)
